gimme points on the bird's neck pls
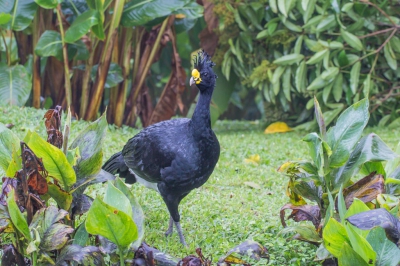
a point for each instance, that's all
(201, 116)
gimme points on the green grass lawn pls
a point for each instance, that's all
(225, 211)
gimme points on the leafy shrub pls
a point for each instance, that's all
(339, 156)
(41, 232)
(291, 50)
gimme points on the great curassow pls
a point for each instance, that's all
(176, 156)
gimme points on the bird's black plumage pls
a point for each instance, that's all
(174, 156)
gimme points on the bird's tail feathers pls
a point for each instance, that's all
(116, 165)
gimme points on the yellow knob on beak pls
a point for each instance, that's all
(195, 76)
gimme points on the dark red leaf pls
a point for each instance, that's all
(366, 189)
(302, 213)
(53, 126)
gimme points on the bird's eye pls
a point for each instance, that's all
(205, 74)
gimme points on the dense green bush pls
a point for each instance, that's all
(290, 50)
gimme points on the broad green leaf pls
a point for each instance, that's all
(316, 58)
(4, 18)
(53, 234)
(54, 161)
(348, 129)
(326, 92)
(304, 4)
(189, 13)
(390, 56)
(387, 252)
(138, 215)
(369, 148)
(335, 236)
(138, 13)
(48, 4)
(82, 25)
(352, 40)
(361, 246)
(354, 77)
(289, 59)
(314, 45)
(63, 198)
(348, 256)
(50, 44)
(115, 198)
(9, 142)
(356, 207)
(90, 142)
(105, 220)
(16, 216)
(24, 13)
(15, 84)
(336, 5)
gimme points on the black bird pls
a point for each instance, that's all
(176, 156)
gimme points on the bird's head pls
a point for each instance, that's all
(202, 75)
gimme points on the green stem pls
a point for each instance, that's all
(121, 257)
(68, 93)
(34, 259)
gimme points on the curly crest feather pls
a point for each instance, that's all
(202, 60)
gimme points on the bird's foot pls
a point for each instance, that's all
(181, 237)
(170, 227)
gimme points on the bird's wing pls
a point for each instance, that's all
(154, 148)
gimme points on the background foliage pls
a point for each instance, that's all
(285, 52)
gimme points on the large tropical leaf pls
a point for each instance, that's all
(50, 44)
(138, 215)
(186, 17)
(369, 148)
(23, 13)
(387, 252)
(15, 84)
(54, 161)
(82, 24)
(86, 255)
(347, 131)
(140, 12)
(89, 141)
(16, 216)
(105, 220)
(53, 234)
(48, 4)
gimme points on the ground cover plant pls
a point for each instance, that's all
(241, 200)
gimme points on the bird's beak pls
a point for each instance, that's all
(192, 82)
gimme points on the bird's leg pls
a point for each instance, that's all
(180, 233)
(170, 227)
